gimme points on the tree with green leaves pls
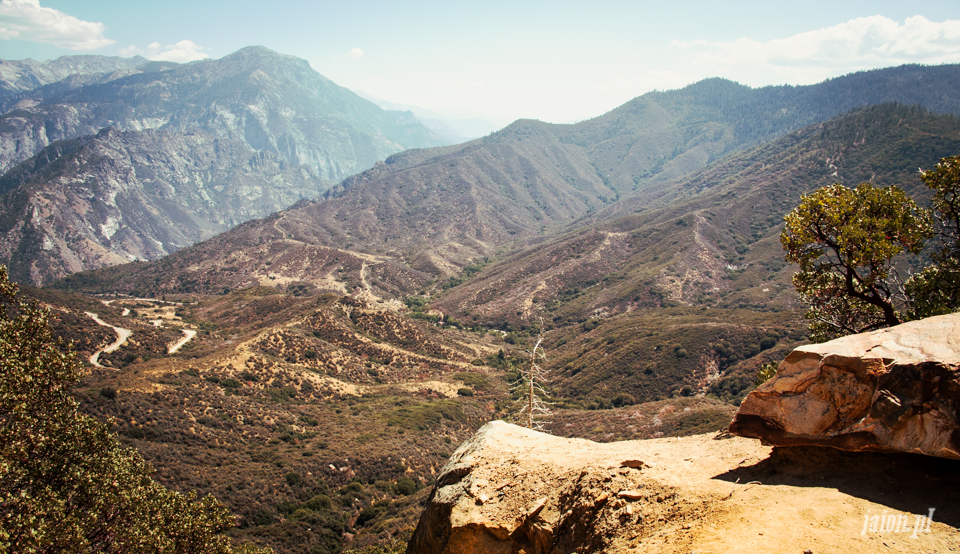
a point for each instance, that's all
(936, 289)
(844, 241)
(66, 483)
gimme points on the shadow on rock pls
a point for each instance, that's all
(905, 482)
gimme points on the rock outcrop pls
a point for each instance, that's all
(511, 490)
(120, 196)
(896, 389)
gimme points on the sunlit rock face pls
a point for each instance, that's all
(896, 389)
(132, 160)
(121, 196)
(271, 102)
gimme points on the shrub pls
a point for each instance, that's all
(405, 486)
(373, 512)
(318, 503)
(623, 400)
(67, 485)
(293, 479)
(766, 371)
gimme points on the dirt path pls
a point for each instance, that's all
(122, 336)
(188, 336)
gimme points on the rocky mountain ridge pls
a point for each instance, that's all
(20, 76)
(121, 196)
(270, 101)
(687, 241)
(438, 211)
(268, 131)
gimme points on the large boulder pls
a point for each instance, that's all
(511, 490)
(896, 389)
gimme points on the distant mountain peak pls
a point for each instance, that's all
(261, 54)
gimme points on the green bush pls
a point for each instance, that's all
(293, 479)
(766, 372)
(318, 503)
(66, 483)
(405, 486)
(372, 512)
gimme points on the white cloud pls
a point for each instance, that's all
(181, 52)
(28, 20)
(862, 43)
(356, 54)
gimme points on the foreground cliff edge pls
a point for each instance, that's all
(889, 395)
(512, 490)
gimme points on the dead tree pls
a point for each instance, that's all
(534, 407)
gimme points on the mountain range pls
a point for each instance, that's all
(19, 76)
(198, 148)
(345, 344)
(437, 211)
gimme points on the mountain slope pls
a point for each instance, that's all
(236, 138)
(711, 237)
(689, 289)
(115, 197)
(428, 215)
(270, 101)
(663, 135)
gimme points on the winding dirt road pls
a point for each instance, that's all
(188, 336)
(122, 336)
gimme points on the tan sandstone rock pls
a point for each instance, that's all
(896, 389)
(512, 490)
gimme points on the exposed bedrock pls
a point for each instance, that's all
(896, 389)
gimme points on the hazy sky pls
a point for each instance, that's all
(555, 61)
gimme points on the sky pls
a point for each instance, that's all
(556, 61)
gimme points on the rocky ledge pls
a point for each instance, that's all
(896, 389)
(511, 490)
